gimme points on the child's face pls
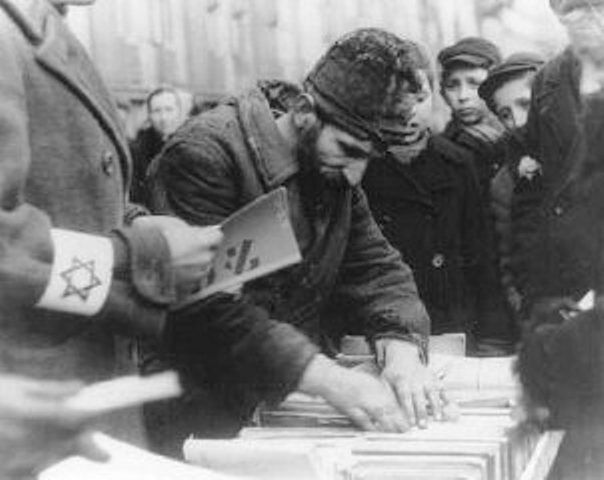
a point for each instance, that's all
(421, 113)
(460, 91)
(512, 101)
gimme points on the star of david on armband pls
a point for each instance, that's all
(81, 273)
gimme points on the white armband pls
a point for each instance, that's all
(81, 273)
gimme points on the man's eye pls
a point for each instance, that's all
(352, 151)
(505, 115)
(422, 97)
(525, 103)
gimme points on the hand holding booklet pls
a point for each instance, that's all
(258, 240)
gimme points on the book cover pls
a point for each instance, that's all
(258, 240)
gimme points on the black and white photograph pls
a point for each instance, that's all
(301, 239)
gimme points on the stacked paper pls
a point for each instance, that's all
(127, 462)
(484, 444)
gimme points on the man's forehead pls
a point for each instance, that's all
(161, 97)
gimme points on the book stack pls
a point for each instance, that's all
(483, 444)
(305, 438)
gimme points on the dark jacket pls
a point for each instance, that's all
(486, 143)
(429, 210)
(556, 220)
(223, 159)
(483, 141)
(505, 184)
(144, 147)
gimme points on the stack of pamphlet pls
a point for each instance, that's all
(305, 438)
(483, 444)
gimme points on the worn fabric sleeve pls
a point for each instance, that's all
(196, 181)
(235, 346)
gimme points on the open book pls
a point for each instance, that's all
(258, 240)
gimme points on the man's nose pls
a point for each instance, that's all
(519, 117)
(354, 173)
(406, 107)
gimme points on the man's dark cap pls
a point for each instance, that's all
(562, 7)
(470, 51)
(514, 65)
(361, 77)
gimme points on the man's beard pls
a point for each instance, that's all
(316, 187)
(310, 165)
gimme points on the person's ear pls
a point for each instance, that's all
(305, 115)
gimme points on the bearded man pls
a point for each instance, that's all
(319, 149)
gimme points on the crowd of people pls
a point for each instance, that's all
(491, 228)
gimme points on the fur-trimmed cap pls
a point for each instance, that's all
(362, 77)
(562, 7)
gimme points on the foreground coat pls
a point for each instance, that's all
(556, 222)
(63, 164)
(430, 211)
(223, 159)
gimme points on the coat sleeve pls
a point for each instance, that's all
(27, 251)
(377, 284)
(502, 188)
(230, 344)
(196, 181)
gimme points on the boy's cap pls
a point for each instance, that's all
(514, 64)
(472, 51)
(562, 7)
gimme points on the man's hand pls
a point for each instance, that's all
(192, 249)
(415, 385)
(37, 428)
(366, 400)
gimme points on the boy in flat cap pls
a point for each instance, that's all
(562, 359)
(319, 149)
(507, 93)
(424, 195)
(464, 66)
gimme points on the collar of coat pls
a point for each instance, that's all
(57, 50)
(271, 155)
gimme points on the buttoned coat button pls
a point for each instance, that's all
(438, 260)
(108, 163)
